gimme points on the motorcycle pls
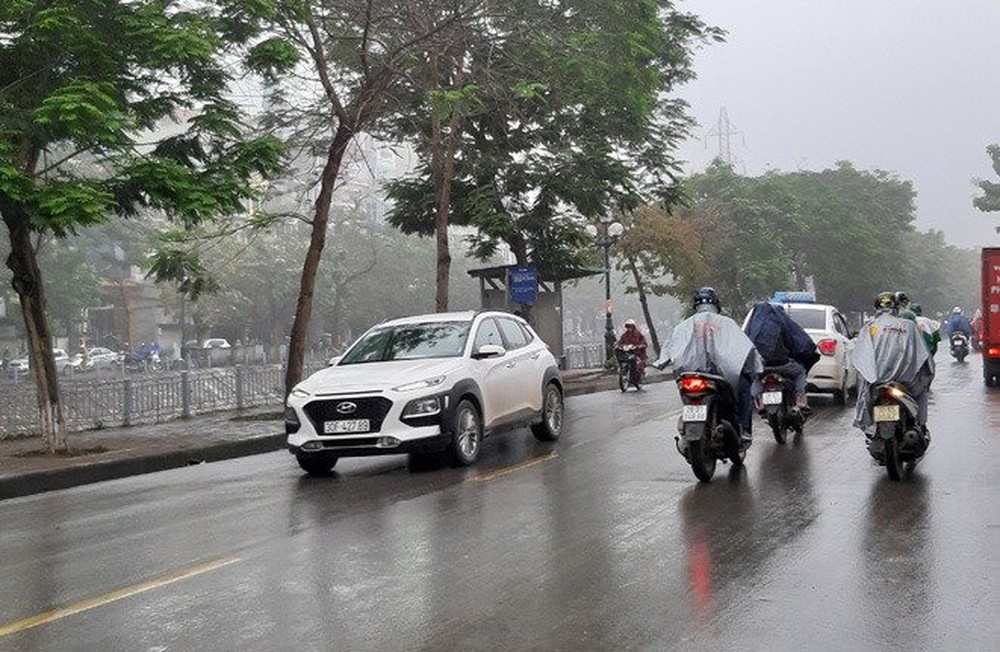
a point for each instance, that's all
(959, 346)
(709, 425)
(899, 439)
(777, 406)
(628, 366)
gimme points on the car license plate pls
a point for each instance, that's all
(694, 413)
(887, 413)
(772, 398)
(345, 425)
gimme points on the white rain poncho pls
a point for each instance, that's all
(890, 348)
(711, 343)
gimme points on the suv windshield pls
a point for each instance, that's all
(808, 317)
(409, 342)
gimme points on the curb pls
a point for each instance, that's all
(42, 481)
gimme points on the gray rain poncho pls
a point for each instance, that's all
(711, 343)
(890, 348)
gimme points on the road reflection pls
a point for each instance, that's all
(896, 584)
(719, 520)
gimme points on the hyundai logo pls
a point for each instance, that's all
(346, 407)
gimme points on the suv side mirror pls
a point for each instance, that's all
(489, 351)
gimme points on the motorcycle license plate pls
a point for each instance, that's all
(771, 398)
(694, 413)
(887, 413)
(345, 425)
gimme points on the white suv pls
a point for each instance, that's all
(828, 329)
(427, 385)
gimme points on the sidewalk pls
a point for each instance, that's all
(121, 452)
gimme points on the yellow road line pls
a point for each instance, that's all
(119, 594)
(493, 475)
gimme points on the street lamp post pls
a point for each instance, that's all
(610, 233)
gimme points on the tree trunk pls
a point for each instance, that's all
(644, 302)
(303, 310)
(27, 282)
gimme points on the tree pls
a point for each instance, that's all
(990, 200)
(84, 86)
(356, 51)
(573, 121)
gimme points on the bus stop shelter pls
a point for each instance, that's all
(521, 290)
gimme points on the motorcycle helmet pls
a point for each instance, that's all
(629, 322)
(902, 299)
(886, 301)
(706, 299)
(917, 310)
(956, 311)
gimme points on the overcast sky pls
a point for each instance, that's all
(907, 86)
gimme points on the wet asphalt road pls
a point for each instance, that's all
(602, 541)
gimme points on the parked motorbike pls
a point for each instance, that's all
(959, 346)
(709, 425)
(899, 439)
(778, 406)
(628, 366)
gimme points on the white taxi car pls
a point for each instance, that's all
(427, 385)
(827, 327)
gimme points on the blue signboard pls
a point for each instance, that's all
(522, 284)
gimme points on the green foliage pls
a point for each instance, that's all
(573, 121)
(749, 236)
(990, 199)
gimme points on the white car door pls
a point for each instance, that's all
(523, 363)
(496, 380)
(844, 333)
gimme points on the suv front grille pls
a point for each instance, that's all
(373, 408)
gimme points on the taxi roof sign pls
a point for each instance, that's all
(794, 297)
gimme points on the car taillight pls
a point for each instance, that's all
(694, 385)
(993, 352)
(827, 346)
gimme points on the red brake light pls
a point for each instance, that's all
(827, 346)
(993, 352)
(694, 385)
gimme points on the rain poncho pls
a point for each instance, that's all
(779, 339)
(712, 343)
(890, 348)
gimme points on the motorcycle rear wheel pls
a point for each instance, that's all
(893, 463)
(702, 460)
(779, 428)
(623, 374)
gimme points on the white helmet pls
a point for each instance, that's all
(956, 311)
(629, 322)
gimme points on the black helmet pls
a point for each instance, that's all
(706, 296)
(902, 299)
(917, 310)
(886, 301)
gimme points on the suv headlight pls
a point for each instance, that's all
(299, 393)
(420, 384)
(422, 407)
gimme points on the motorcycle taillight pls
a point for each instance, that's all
(695, 385)
(891, 393)
(772, 380)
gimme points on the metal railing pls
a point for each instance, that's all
(148, 398)
(123, 400)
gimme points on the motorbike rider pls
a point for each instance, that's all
(890, 348)
(904, 310)
(930, 328)
(957, 322)
(635, 338)
(977, 329)
(712, 343)
(785, 348)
